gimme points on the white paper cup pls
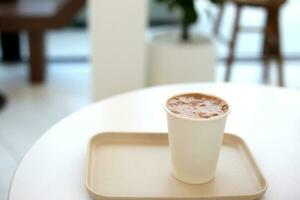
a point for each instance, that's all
(195, 145)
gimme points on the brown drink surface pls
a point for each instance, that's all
(197, 106)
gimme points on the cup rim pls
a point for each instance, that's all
(197, 119)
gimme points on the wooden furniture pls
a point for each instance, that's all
(2, 101)
(10, 43)
(10, 47)
(54, 168)
(271, 44)
(36, 17)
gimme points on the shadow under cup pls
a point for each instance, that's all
(195, 144)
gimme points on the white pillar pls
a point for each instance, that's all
(118, 45)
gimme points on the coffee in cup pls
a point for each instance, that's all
(196, 123)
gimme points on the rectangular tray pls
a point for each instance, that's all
(137, 165)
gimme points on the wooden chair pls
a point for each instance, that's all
(271, 44)
(36, 18)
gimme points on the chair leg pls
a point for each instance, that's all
(10, 45)
(219, 19)
(266, 51)
(230, 57)
(277, 46)
(280, 71)
(266, 61)
(2, 101)
(37, 57)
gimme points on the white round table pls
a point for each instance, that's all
(267, 118)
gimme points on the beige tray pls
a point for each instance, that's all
(137, 165)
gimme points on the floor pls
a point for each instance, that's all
(31, 110)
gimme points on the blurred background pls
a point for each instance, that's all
(59, 56)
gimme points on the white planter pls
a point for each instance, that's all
(173, 61)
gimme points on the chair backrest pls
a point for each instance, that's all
(67, 11)
(259, 3)
(31, 15)
(276, 2)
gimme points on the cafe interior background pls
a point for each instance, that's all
(104, 48)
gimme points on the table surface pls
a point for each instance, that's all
(268, 118)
